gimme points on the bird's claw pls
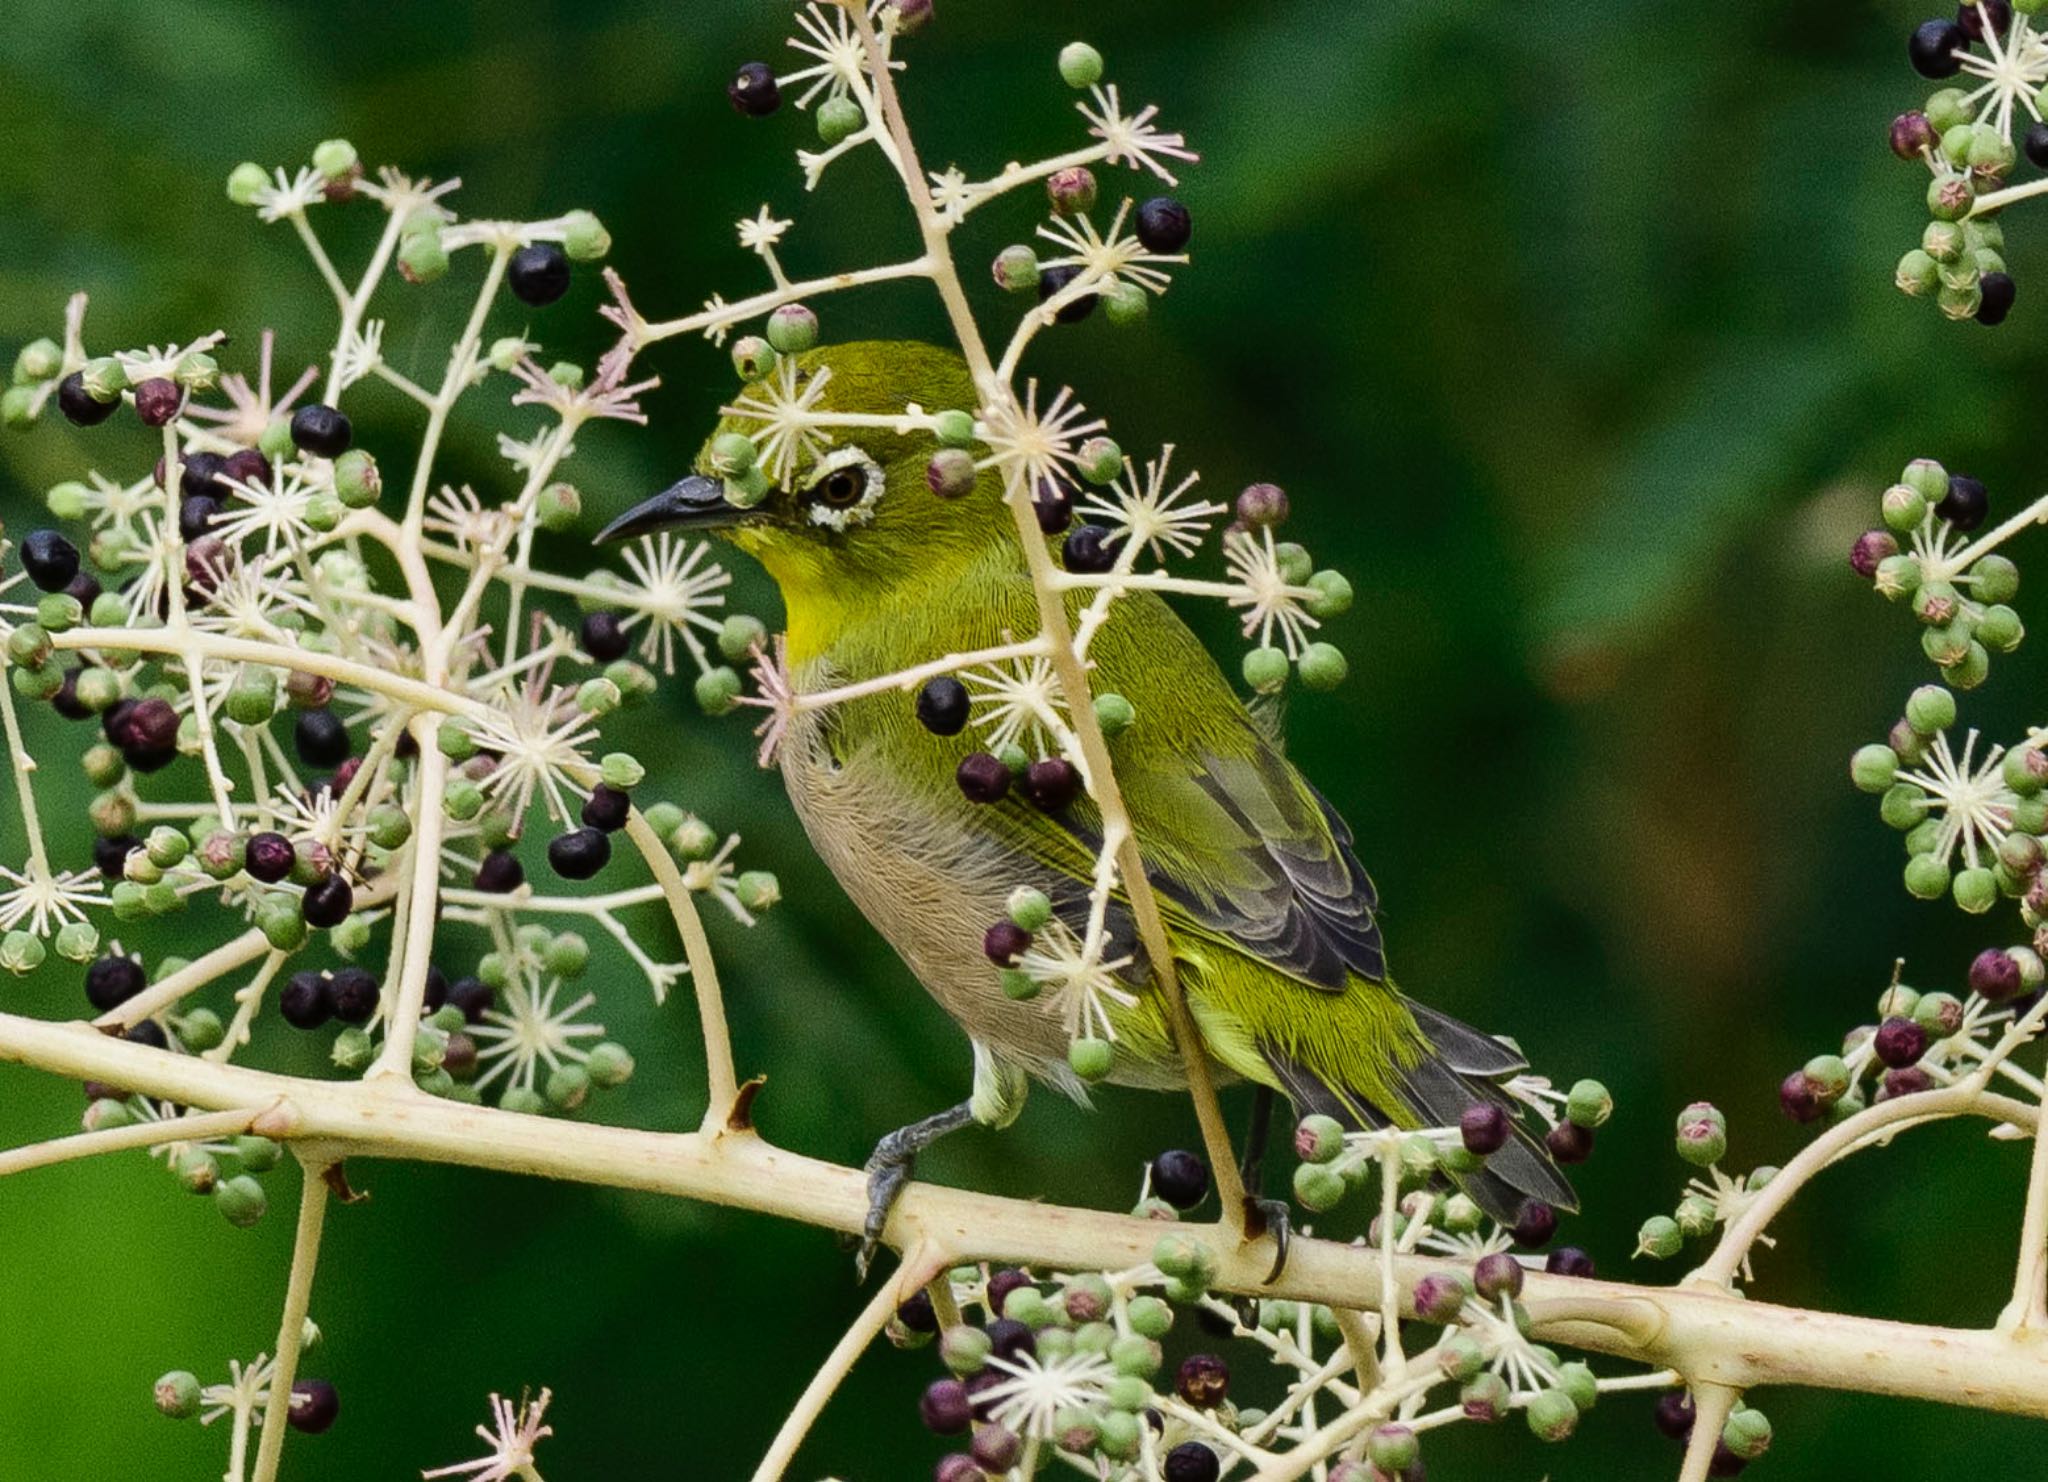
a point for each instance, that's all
(886, 1177)
(1269, 1217)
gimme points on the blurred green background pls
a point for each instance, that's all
(1569, 328)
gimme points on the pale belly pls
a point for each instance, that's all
(932, 886)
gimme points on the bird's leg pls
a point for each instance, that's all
(889, 1168)
(1262, 1216)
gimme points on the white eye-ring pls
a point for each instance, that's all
(844, 490)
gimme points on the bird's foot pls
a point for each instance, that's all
(889, 1168)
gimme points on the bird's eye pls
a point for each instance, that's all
(843, 487)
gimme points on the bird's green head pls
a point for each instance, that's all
(854, 519)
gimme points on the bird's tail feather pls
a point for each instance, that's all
(1460, 1067)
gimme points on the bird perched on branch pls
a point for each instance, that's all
(1271, 919)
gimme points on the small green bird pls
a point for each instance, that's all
(1270, 915)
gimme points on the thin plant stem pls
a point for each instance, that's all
(291, 1329)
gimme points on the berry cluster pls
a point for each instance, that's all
(1142, 1373)
(1964, 135)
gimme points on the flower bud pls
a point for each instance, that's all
(1080, 65)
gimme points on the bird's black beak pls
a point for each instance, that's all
(697, 503)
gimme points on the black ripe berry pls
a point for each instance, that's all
(983, 778)
(321, 738)
(603, 639)
(1052, 280)
(1975, 16)
(149, 1033)
(314, 1406)
(322, 431)
(1164, 225)
(110, 855)
(539, 274)
(1934, 46)
(1091, 549)
(247, 466)
(606, 808)
(1998, 292)
(1535, 1222)
(111, 981)
(65, 702)
(50, 560)
(1180, 1178)
(1967, 503)
(754, 91)
(500, 874)
(77, 404)
(1052, 783)
(306, 1002)
(942, 706)
(269, 857)
(580, 853)
(200, 474)
(1053, 504)
(1191, 1461)
(472, 996)
(353, 991)
(327, 903)
(195, 517)
(2036, 144)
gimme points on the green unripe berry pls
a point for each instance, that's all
(240, 1200)
(1114, 714)
(1902, 508)
(1149, 1316)
(1323, 666)
(1080, 65)
(335, 158)
(793, 329)
(718, 690)
(693, 839)
(757, 890)
(1332, 594)
(566, 955)
(1926, 877)
(1029, 907)
(1975, 890)
(1125, 304)
(1266, 670)
(741, 636)
(21, 952)
(1319, 1138)
(422, 257)
(1552, 1415)
(1897, 576)
(1747, 1434)
(253, 698)
(177, 1395)
(1018, 985)
(621, 770)
(247, 181)
(609, 1066)
(357, 482)
(1917, 274)
(1017, 269)
(1659, 1239)
(1185, 1257)
(1099, 460)
(1999, 627)
(558, 508)
(568, 1087)
(584, 238)
(838, 118)
(1318, 1186)
(1091, 1059)
(1874, 768)
(462, 800)
(78, 941)
(1930, 709)
(753, 357)
(1589, 1104)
